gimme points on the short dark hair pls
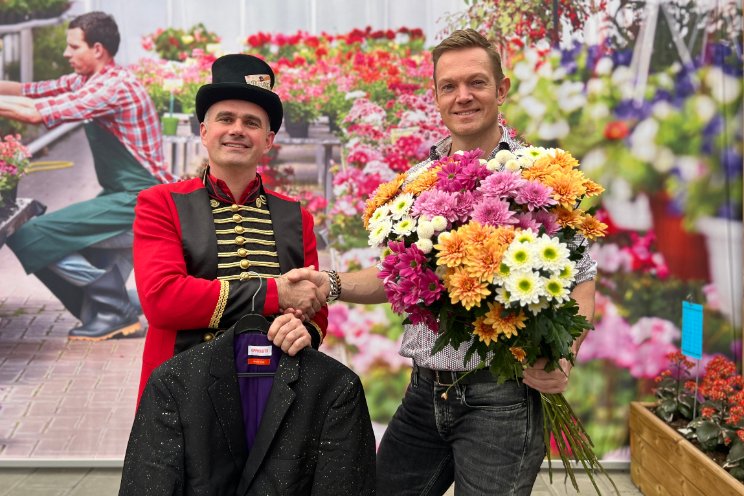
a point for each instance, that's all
(468, 38)
(98, 27)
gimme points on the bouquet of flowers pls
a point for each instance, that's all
(488, 250)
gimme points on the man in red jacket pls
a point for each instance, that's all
(209, 250)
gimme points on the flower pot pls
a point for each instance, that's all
(170, 125)
(663, 462)
(297, 129)
(684, 252)
(723, 238)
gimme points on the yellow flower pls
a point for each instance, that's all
(485, 333)
(568, 187)
(591, 228)
(476, 233)
(467, 290)
(592, 188)
(518, 353)
(564, 160)
(452, 249)
(484, 259)
(423, 182)
(507, 324)
(385, 192)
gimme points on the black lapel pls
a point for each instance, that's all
(280, 400)
(197, 230)
(225, 396)
(286, 219)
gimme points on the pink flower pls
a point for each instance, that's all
(493, 212)
(525, 220)
(433, 202)
(654, 329)
(548, 221)
(534, 195)
(502, 184)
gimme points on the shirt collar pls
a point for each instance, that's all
(217, 189)
(443, 146)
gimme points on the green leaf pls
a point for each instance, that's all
(736, 454)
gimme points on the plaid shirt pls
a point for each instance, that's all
(418, 340)
(115, 100)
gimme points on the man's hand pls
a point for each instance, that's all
(554, 381)
(302, 297)
(289, 333)
(320, 279)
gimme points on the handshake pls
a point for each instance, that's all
(303, 291)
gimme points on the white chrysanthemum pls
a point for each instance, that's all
(503, 156)
(524, 162)
(439, 223)
(519, 256)
(380, 232)
(501, 274)
(525, 236)
(425, 245)
(413, 174)
(551, 253)
(379, 215)
(567, 273)
(502, 296)
(493, 165)
(525, 287)
(533, 152)
(405, 226)
(401, 205)
(425, 229)
(556, 291)
(514, 165)
(538, 307)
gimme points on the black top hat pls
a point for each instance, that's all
(241, 77)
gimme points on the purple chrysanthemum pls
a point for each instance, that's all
(548, 220)
(534, 195)
(525, 220)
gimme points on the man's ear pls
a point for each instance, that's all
(269, 141)
(502, 90)
(203, 132)
(99, 50)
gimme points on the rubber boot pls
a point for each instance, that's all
(107, 302)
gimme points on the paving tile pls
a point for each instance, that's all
(11, 477)
(17, 448)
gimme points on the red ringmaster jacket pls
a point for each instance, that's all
(175, 266)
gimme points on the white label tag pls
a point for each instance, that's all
(259, 351)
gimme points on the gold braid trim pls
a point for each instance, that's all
(317, 328)
(243, 208)
(232, 254)
(214, 323)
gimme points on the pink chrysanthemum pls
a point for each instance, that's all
(548, 221)
(502, 184)
(526, 220)
(534, 195)
(493, 212)
(433, 202)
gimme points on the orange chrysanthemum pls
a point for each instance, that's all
(592, 188)
(384, 193)
(423, 182)
(483, 260)
(568, 187)
(564, 160)
(569, 217)
(506, 324)
(485, 333)
(466, 290)
(518, 353)
(452, 249)
(542, 169)
(476, 233)
(591, 228)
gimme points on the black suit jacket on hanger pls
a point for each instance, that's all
(315, 437)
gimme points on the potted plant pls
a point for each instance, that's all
(299, 90)
(14, 160)
(691, 441)
(178, 44)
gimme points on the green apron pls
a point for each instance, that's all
(50, 237)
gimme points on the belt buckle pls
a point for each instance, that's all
(439, 381)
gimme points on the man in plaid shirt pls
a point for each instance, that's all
(83, 252)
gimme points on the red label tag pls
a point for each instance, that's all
(259, 361)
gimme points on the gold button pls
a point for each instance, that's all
(239, 240)
(234, 207)
(242, 252)
(208, 337)
(239, 229)
(237, 218)
(244, 276)
(244, 264)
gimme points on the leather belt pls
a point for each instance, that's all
(447, 377)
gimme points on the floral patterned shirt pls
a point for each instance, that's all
(115, 100)
(418, 340)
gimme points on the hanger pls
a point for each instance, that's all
(253, 323)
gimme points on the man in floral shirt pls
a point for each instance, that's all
(484, 436)
(82, 252)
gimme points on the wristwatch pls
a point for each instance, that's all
(335, 282)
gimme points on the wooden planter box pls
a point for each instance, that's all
(664, 463)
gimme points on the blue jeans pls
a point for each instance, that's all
(486, 437)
